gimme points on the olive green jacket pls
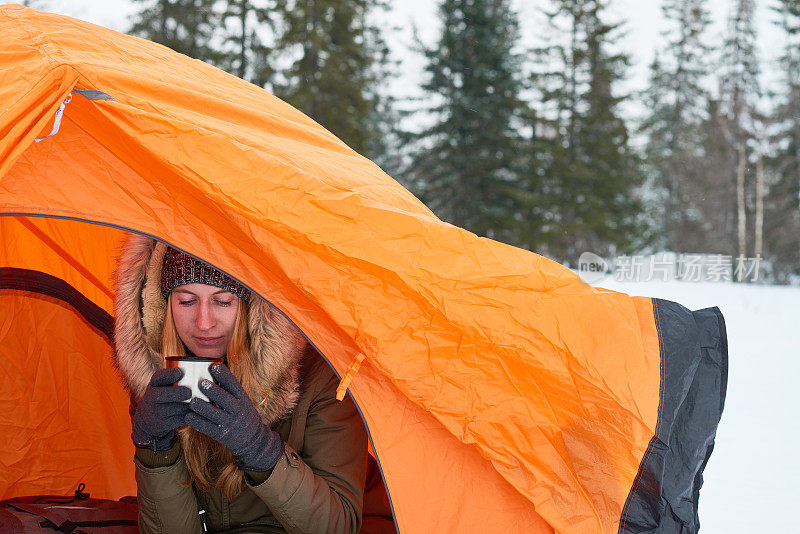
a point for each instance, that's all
(316, 486)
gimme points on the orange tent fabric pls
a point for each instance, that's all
(499, 390)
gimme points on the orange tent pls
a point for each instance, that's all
(500, 392)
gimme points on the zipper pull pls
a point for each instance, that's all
(203, 519)
(57, 121)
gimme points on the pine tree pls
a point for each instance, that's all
(336, 64)
(677, 102)
(186, 26)
(465, 164)
(782, 205)
(245, 50)
(592, 175)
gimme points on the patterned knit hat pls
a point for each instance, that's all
(180, 269)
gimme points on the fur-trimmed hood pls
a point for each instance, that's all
(276, 345)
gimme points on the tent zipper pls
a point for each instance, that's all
(57, 121)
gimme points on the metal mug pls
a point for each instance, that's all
(195, 369)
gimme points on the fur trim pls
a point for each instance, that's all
(134, 357)
(153, 303)
(276, 346)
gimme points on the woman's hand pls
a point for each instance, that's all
(161, 410)
(234, 422)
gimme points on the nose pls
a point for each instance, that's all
(205, 317)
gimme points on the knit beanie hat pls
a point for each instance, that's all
(180, 269)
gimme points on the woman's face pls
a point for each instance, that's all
(204, 318)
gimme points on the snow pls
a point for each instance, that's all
(752, 480)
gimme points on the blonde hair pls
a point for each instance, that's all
(209, 463)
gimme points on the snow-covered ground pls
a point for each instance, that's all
(752, 481)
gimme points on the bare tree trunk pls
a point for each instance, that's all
(740, 198)
(243, 9)
(759, 206)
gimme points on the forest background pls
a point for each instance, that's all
(536, 138)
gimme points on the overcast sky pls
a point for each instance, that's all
(642, 20)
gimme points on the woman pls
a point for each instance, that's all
(274, 451)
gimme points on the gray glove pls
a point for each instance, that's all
(234, 422)
(160, 411)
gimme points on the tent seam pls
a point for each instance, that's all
(641, 470)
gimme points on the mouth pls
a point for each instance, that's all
(208, 341)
